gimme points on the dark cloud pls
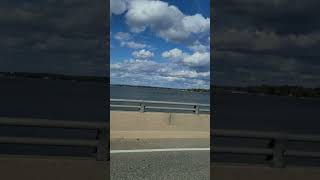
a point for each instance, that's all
(54, 36)
(280, 16)
(266, 42)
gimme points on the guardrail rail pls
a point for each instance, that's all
(277, 150)
(101, 143)
(151, 106)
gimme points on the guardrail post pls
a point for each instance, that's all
(197, 107)
(278, 159)
(103, 145)
(142, 107)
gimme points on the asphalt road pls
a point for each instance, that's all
(165, 159)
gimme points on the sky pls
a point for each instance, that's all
(160, 43)
(273, 42)
(54, 36)
(165, 43)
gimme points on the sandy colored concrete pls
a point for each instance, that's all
(190, 122)
(229, 172)
(158, 134)
(124, 120)
(125, 124)
(49, 168)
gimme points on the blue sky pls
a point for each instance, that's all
(160, 43)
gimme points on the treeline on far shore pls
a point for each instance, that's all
(285, 90)
(52, 76)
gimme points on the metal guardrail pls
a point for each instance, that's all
(278, 151)
(144, 105)
(101, 143)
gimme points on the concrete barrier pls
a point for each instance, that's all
(50, 168)
(128, 124)
(234, 172)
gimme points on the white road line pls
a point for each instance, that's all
(158, 150)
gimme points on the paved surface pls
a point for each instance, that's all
(172, 165)
(246, 172)
(18, 167)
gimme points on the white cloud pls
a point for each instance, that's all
(158, 14)
(126, 40)
(197, 59)
(152, 73)
(190, 74)
(196, 23)
(122, 36)
(143, 54)
(164, 19)
(118, 6)
(134, 66)
(199, 47)
(133, 45)
(173, 54)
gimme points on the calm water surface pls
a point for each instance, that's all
(158, 94)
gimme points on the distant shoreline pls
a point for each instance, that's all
(51, 76)
(154, 87)
(263, 90)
